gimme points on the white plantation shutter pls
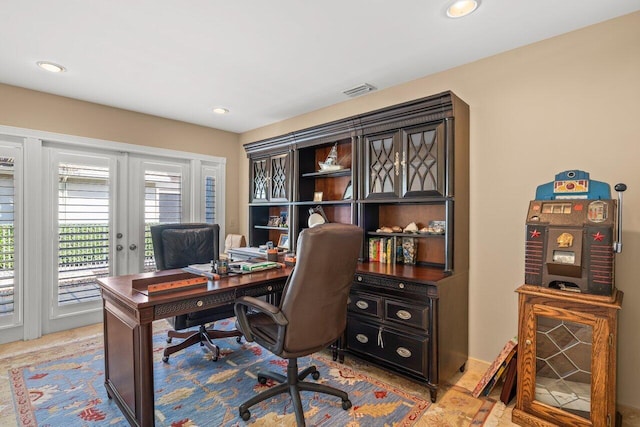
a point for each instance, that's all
(9, 290)
(162, 205)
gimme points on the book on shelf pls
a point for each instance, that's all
(392, 250)
(496, 369)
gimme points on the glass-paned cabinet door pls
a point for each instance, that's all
(382, 165)
(279, 189)
(259, 180)
(270, 178)
(566, 357)
(422, 162)
(563, 365)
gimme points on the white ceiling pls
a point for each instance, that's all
(263, 60)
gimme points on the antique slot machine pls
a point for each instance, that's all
(573, 232)
(568, 307)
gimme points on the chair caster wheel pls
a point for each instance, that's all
(238, 340)
(262, 380)
(245, 415)
(315, 375)
(346, 404)
(165, 359)
(168, 340)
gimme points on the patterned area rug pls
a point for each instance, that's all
(67, 389)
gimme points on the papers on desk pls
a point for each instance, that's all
(251, 267)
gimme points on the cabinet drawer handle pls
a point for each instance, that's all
(359, 278)
(362, 338)
(401, 285)
(403, 352)
(362, 304)
(403, 314)
(199, 303)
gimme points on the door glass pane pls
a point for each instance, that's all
(422, 161)
(381, 164)
(563, 365)
(83, 231)
(162, 205)
(7, 241)
(210, 199)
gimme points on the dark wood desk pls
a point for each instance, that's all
(128, 316)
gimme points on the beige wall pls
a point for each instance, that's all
(40, 111)
(570, 102)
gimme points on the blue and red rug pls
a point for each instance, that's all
(191, 390)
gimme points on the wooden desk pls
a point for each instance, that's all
(128, 316)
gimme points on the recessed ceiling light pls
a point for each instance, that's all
(461, 8)
(220, 110)
(50, 66)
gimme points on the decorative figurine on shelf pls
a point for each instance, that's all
(331, 162)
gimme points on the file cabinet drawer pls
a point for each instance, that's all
(365, 304)
(408, 352)
(407, 314)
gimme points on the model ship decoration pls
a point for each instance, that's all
(331, 162)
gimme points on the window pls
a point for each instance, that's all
(9, 287)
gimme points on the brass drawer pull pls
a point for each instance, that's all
(403, 352)
(199, 303)
(403, 314)
(401, 285)
(362, 338)
(363, 305)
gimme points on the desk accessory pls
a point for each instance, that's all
(169, 283)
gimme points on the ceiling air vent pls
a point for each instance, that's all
(359, 90)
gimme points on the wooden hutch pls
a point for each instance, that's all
(404, 164)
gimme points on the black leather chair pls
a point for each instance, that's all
(177, 246)
(312, 312)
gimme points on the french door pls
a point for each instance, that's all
(75, 209)
(101, 205)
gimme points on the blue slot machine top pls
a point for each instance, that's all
(573, 184)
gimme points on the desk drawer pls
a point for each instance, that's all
(362, 303)
(406, 351)
(407, 314)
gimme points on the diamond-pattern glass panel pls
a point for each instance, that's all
(563, 365)
(381, 161)
(260, 179)
(279, 177)
(422, 161)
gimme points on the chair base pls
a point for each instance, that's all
(203, 336)
(293, 384)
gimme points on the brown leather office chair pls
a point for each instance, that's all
(177, 246)
(312, 312)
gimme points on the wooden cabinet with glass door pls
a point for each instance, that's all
(269, 207)
(567, 358)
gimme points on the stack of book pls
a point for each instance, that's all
(392, 250)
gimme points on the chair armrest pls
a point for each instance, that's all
(243, 304)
